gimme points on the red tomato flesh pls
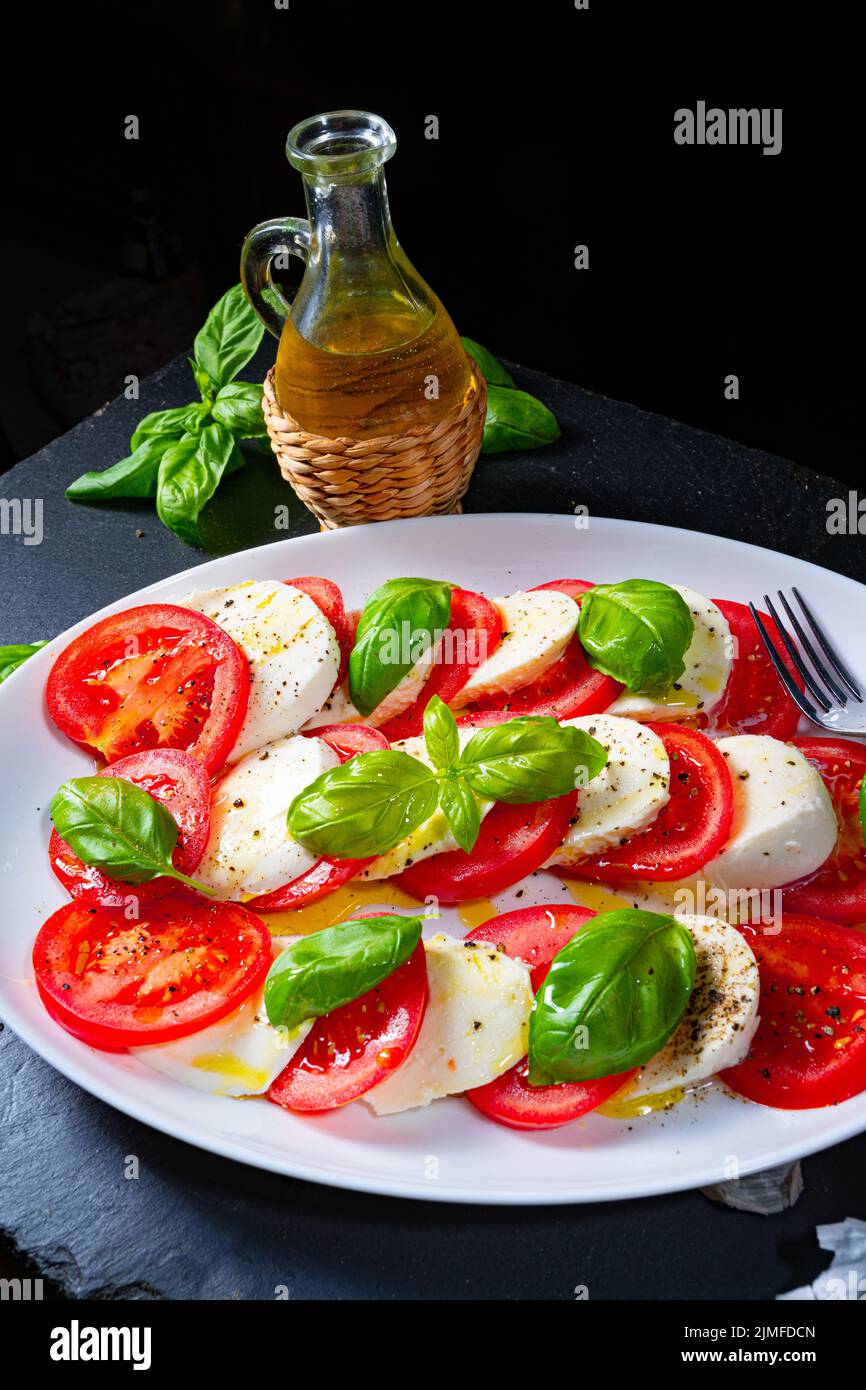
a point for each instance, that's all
(536, 935)
(351, 1050)
(755, 701)
(180, 783)
(159, 676)
(513, 842)
(687, 832)
(117, 983)
(473, 634)
(328, 597)
(326, 875)
(810, 1047)
(567, 688)
(838, 889)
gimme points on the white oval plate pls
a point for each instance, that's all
(447, 1152)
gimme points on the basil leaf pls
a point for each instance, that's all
(862, 799)
(638, 632)
(239, 407)
(530, 759)
(365, 807)
(183, 419)
(230, 336)
(398, 624)
(494, 372)
(189, 475)
(119, 828)
(516, 420)
(333, 967)
(205, 383)
(612, 998)
(440, 734)
(135, 476)
(460, 808)
(14, 654)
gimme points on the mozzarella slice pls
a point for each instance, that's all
(249, 849)
(721, 1016)
(626, 796)
(536, 629)
(241, 1055)
(434, 836)
(476, 1025)
(708, 662)
(292, 652)
(338, 708)
(784, 825)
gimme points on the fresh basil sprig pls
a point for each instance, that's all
(612, 998)
(179, 456)
(515, 419)
(638, 632)
(14, 654)
(119, 828)
(333, 967)
(369, 804)
(399, 623)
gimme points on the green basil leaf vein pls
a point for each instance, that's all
(365, 807)
(638, 632)
(14, 654)
(612, 998)
(399, 623)
(530, 759)
(230, 336)
(333, 967)
(119, 828)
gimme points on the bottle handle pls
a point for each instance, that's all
(266, 243)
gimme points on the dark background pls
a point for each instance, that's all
(556, 128)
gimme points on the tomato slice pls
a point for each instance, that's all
(755, 700)
(180, 783)
(473, 633)
(687, 832)
(567, 688)
(326, 875)
(810, 1047)
(838, 889)
(351, 1050)
(118, 983)
(328, 596)
(536, 935)
(513, 841)
(159, 676)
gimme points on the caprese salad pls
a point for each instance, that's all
(260, 751)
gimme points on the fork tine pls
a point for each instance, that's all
(820, 668)
(782, 671)
(811, 683)
(825, 646)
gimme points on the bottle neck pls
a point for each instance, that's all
(349, 218)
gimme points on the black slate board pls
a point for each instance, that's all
(194, 1226)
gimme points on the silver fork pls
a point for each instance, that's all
(829, 681)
